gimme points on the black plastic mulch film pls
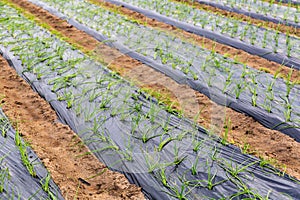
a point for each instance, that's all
(270, 120)
(289, 1)
(265, 53)
(130, 132)
(16, 182)
(249, 13)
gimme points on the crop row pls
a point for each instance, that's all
(18, 163)
(289, 2)
(256, 89)
(128, 130)
(272, 40)
(283, 14)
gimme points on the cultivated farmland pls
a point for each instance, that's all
(186, 99)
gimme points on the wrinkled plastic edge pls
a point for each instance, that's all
(39, 169)
(59, 106)
(66, 117)
(250, 14)
(264, 53)
(268, 120)
(69, 118)
(289, 1)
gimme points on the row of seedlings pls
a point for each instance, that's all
(168, 155)
(18, 162)
(268, 39)
(281, 12)
(180, 59)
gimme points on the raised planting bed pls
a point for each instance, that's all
(269, 99)
(22, 174)
(168, 155)
(295, 2)
(269, 11)
(267, 43)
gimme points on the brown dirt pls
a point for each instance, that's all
(105, 54)
(244, 130)
(284, 4)
(281, 150)
(57, 146)
(266, 24)
(254, 61)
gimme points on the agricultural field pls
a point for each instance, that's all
(149, 99)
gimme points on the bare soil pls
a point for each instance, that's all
(280, 3)
(254, 61)
(55, 148)
(267, 24)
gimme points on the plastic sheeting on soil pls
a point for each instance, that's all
(270, 100)
(260, 10)
(131, 132)
(289, 1)
(15, 180)
(269, 44)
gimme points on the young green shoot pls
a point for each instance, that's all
(227, 128)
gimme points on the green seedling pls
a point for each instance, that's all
(235, 170)
(153, 161)
(245, 148)
(227, 82)
(163, 177)
(197, 145)
(62, 82)
(97, 129)
(194, 167)
(4, 177)
(227, 127)
(46, 188)
(238, 90)
(24, 156)
(289, 83)
(267, 105)
(146, 136)
(163, 143)
(264, 43)
(208, 183)
(68, 97)
(180, 193)
(214, 155)
(4, 125)
(178, 160)
(245, 190)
